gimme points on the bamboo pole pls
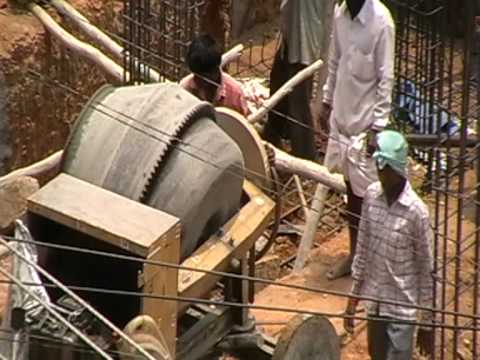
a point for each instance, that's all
(72, 43)
(67, 10)
(49, 165)
(301, 195)
(232, 55)
(98, 36)
(307, 169)
(318, 203)
(311, 225)
(284, 91)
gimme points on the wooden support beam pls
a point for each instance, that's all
(72, 43)
(308, 237)
(102, 214)
(421, 140)
(47, 167)
(307, 169)
(94, 33)
(301, 195)
(286, 89)
(99, 37)
(238, 235)
(232, 55)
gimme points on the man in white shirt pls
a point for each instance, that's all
(357, 100)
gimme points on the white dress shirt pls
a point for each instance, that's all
(359, 88)
(361, 68)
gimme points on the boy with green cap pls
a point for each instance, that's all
(393, 261)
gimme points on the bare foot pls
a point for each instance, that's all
(341, 269)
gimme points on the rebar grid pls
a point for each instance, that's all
(437, 61)
(445, 101)
(157, 34)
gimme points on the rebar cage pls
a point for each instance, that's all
(436, 95)
(157, 34)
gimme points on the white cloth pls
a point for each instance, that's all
(359, 85)
(348, 156)
(302, 29)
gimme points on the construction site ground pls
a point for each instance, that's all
(23, 37)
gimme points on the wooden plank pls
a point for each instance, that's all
(101, 214)
(217, 253)
(160, 280)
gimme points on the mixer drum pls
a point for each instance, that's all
(160, 145)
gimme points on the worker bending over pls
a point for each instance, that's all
(357, 101)
(394, 260)
(207, 81)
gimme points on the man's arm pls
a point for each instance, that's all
(424, 260)
(385, 60)
(358, 268)
(333, 61)
(360, 259)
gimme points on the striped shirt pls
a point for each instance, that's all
(393, 260)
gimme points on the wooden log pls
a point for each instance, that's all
(87, 27)
(285, 90)
(49, 166)
(314, 215)
(98, 36)
(301, 195)
(232, 55)
(239, 235)
(307, 169)
(308, 337)
(422, 140)
(79, 47)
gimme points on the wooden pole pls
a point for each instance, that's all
(72, 43)
(307, 169)
(313, 218)
(318, 203)
(285, 90)
(301, 195)
(49, 165)
(97, 35)
(87, 27)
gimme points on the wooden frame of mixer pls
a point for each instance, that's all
(155, 235)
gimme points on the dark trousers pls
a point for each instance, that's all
(354, 211)
(390, 341)
(295, 105)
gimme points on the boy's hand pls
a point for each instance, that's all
(348, 322)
